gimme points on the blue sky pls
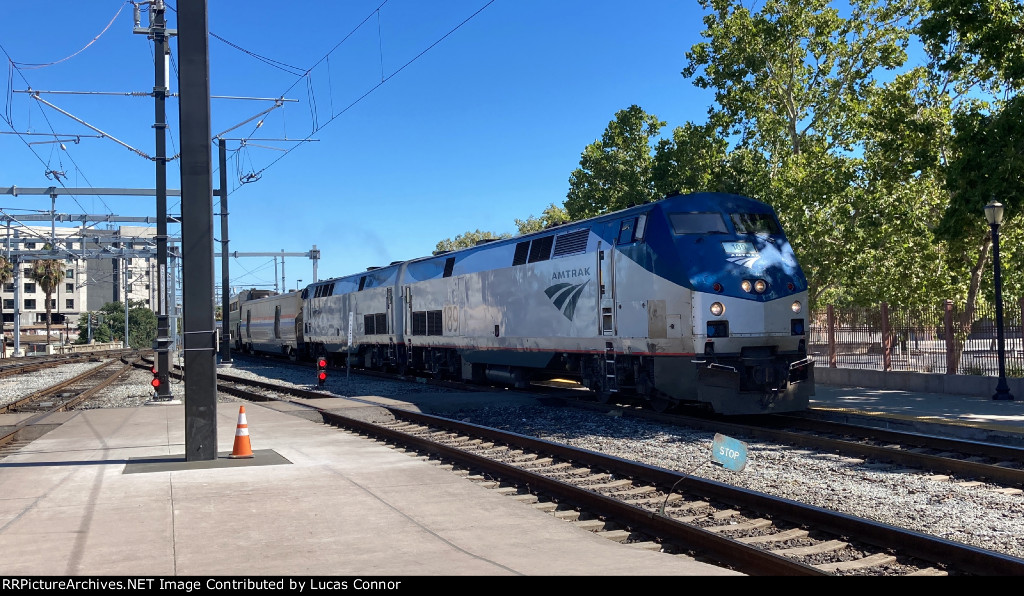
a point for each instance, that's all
(483, 128)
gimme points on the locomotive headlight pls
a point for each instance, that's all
(760, 286)
(796, 306)
(745, 285)
(717, 308)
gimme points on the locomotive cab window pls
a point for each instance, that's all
(761, 224)
(698, 223)
(631, 230)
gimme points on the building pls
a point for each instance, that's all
(101, 266)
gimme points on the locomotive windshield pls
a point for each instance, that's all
(756, 223)
(697, 223)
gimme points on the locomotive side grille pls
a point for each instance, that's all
(434, 326)
(540, 249)
(522, 251)
(571, 242)
(419, 323)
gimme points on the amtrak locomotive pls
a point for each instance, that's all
(695, 298)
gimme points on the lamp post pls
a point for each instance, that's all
(298, 285)
(994, 215)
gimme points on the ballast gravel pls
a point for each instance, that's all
(965, 512)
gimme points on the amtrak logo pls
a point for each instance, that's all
(565, 296)
(744, 260)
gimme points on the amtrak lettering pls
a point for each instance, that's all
(564, 296)
(570, 273)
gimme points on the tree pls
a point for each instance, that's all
(100, 330)
(467, 240)
(110, 324)
(616, 171)
(791, 84)
(6, 274)
(552, 215)
(49, 274)
(978, 49)
(694, 160)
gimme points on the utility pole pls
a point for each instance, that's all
(225, 304)
(159, 33)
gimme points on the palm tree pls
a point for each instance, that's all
(6, 273)
(48, 274)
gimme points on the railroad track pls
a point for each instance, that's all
(60, 397)
(651, 507)
(970, 461)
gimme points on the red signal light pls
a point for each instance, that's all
(321, 372)
(155, 382)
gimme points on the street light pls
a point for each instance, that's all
(298, 284)
(994, 215)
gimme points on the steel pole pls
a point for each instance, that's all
(197, 232)
(1002, 388)
(160, 90)
(225, 303)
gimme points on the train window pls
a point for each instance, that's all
(571, 243)
(449, 266)
(756, 223)
(522, 251)
(540, 249)
(626, 231)
(277, 321)
(248, 322)
(697, 223)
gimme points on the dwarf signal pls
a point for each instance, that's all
(321, 371)
(156, 378)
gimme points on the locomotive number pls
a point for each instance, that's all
(451, 318)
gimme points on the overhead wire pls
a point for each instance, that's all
(31, 66)
(317, 127)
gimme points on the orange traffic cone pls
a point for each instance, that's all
(242, 448)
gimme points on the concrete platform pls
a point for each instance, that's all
(963, 416)
(108, 493)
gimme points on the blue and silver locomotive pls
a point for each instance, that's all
(695, 298)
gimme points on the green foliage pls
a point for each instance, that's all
(6, 273)
(108, 324)
(48, 273)
(468, 239)
(694, 160)
(977, 41)
(552, 215)
(989, 165)
(616, 171)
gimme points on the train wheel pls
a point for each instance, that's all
(661, 404)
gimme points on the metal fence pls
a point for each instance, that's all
(936, 339)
